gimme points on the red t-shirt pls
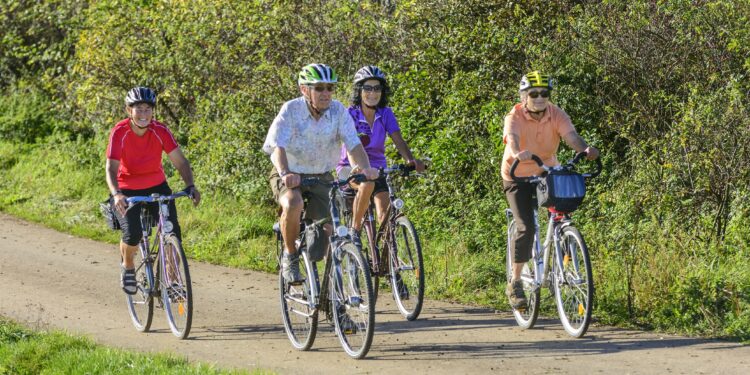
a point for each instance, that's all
(140, 156)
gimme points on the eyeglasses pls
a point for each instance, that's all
(536, 94)
(321, 88)
(368, 88)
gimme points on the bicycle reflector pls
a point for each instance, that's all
(342, 231)
(398, 203)
(167, 226)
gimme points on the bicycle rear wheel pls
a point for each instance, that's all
(406, 269)
(297, 309)
(176, 288)
(525, 317)
(574, 284)
(352, 301)
(141, 304)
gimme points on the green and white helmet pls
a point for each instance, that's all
(317, 73)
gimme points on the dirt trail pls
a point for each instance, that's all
(51, 279)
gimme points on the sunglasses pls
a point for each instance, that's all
(368, 88)
(321, 88)
(536, 94)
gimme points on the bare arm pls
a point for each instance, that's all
(514, 142)
(577, 143)
(361, 162)
(180, 162)
(405, 152)
(280, 162)
(111, 173)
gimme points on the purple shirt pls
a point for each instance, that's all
(385, 122)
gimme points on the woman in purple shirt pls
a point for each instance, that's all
(374, 120)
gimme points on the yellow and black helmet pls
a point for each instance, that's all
(535, 79)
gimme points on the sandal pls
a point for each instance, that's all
(128, 283)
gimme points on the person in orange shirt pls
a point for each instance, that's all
(533, 127)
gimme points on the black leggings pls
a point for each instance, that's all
(132, 232)
(522, 200)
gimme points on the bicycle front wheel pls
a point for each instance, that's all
(407, 269)
(574, 284)
(352, 301)
(298, 312)
(176, 288)
(141, 304)
(525, 317)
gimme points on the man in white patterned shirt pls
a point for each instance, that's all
(304, 141)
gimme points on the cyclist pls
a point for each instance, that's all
(134, 168)
(374, 120)
(303, 141)
(533, 126)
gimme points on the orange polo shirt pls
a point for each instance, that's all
(541, 137)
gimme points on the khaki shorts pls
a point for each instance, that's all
(317, 203)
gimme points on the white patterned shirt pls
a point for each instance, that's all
(312, 146)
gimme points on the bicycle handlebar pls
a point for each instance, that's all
(309, 181)
(156, 197)
(569, 165)
(404, 169)
(535, 158)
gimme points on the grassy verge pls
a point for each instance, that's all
(23, 351)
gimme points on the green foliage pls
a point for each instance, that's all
(660, 87)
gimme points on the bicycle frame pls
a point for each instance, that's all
(163, 227)
(319, 293)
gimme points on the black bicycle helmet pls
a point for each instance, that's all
(138, 95)
(369, 72)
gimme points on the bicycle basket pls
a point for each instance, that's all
(564, 190)
(316, 240)
(108, 211)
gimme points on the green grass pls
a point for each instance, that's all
(23, 351)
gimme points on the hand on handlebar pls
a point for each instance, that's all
(418, 165)
(291, 180)
(194, 194)
(523, 155)
(592, 153)
(370, 173)
(121, 203)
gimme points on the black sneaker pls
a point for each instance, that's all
(128, 282)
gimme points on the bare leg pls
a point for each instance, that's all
(127, 252)
(291, 205)
(361, 201)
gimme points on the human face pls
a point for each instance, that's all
(372, 90)
(319, 94)
(141, 114)
(540, 102)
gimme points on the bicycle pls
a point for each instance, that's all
(569, 276)
(172, 278)
(345, 295)
(394, 250)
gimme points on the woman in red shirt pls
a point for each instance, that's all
(134, 168)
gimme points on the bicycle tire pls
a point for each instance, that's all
(574, 291)
(353, 311)
(176, 288)
(300, 318)
(525, 318)
(141, 304)
(406, 264)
